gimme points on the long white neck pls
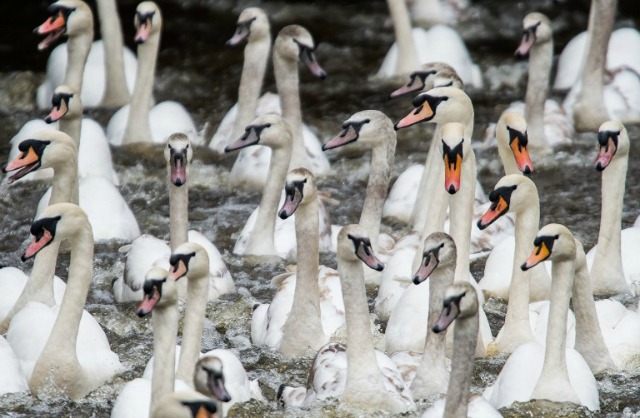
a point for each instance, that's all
(256, 55)
(465, 336)
(77, 52)
(432, 178)
(589, 110)
(461, 213)
(197, 296)
(262, 236)
(381, 165)
(303, 328)
(428, 379)
(607, 275)
(138, 127)
(540, 60)
(506, 155)
(178, 214)
(116, 92)
(589, 339)
(287, 82)
(407, 60)
(361, 357)
(516, 329)
(553, 383)
(65, 189)
(165, 331)
(58, 359)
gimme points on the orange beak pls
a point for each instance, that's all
(52, 24)
(520, 153)
(23, 160)
(424, 112)
(179, 270)
(452, 173)
(493, 213)
(539, 254)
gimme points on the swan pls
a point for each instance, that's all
(430, 12)
(263, 234)
(407, 325)
(185, 404)
(136, 122)
(371, 129)
(307, 308)
(219, 373)
(554, 372)
(428, 76)
(148, 250)
(12, 379)
(371, 381)
(549, 125)
(110, 68)
(519, 195)
(460, 304)
(61, 354)
(416, 46)
(613, 264)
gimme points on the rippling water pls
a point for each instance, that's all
(196, 69)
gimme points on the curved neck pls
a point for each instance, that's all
(506, 155)
(69, 186)
(138, 127)
(116, 92)
(427, 206)
(197, 296)
(78, 50)
(381, 165)
(461, 213)
(263, 231)
(589, 340)
(407, 60)
(165, 331)
(256, 55)
(540, 61)
(178, 214)
(361, 356)
(554, 370)
(287, 82)
(465, 336)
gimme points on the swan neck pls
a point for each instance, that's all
(461, 213)
(287, 82)
(178, 215)
(506, 155)
(77, 53)
(428, 209)
(197, 296)
(165, 331)
(537, 90)
(407, 58)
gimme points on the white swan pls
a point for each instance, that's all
(12, 379)
(613, 266)
(461, 304)
(147, 250)
(136, 122)
(417, 46)
(430, 12)
(264, 233)
(553, 372)
(185, 404)
(141, 395)
(357, 374)
(110, 69)
(307, 307)
(428, 76)
(60, 353)
(606, 90)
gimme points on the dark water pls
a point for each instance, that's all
(196, 69)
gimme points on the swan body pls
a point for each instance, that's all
(554, 372)
(12, 379)
(137, 122)
(13, 282)
(60, 352)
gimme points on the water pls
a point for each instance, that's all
(196, 69)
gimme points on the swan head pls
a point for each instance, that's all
(253, 25)
(299, 189)
(185, 404)
(613, 141)
(430, 75)
(56, 223)
(354, 245)
(270, 130)
(295, 43)
(209, 378)
(48, 148)
(439, 251)
(147, 21)
(554, 242)
(536, 30)
(439, 105)
(512, 193)
(178, 154)
(66, 17)
(191, 260)
(370, 127)
(511, 133)
(460, 302)
(65, 102)
(159, 290)
(453, 151)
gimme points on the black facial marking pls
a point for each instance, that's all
(504, 192)
(291, 187)
(38, 227)
(453, 300)
(522, 137)
(195, 406)
(452, 153)
(145, 17)
(56, 8)
(547, 240)
(356, 126)
(243, 28)
(306, 52)
(603, 138)
(433, 101)
(150, 286)
(366, 242)
(185, 258)
(37, 145)
(57, 98)
(256, 128)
